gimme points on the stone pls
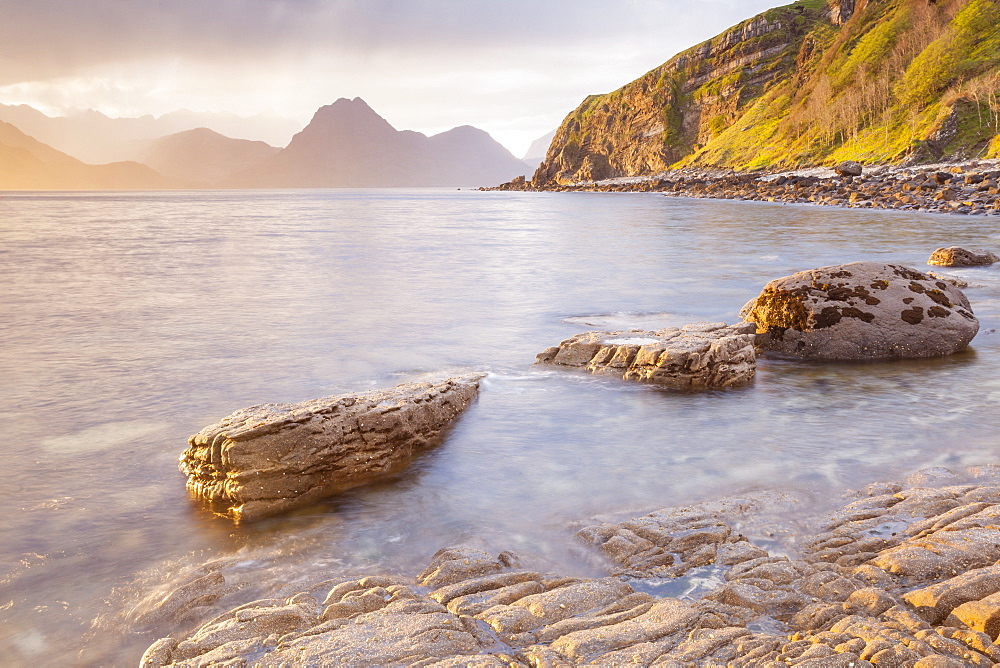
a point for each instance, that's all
(267, 459)
(956, 256)
(861, 311)
(938, 600)
(849, 168)
(983, 616)
(698, 356)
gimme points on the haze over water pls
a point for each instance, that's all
(130, 321)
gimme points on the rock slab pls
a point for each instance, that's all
(698, 356)
(270, 458)
(956, 256)
(861, 311)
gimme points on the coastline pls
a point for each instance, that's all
(970, 187)
(903, 573)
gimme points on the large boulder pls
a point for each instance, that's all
(266, 459)
(694, 357)
(956, 256)
(861, 311)
(849, 168)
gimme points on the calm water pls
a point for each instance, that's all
(130, 321)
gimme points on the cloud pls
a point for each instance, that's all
(424, 64)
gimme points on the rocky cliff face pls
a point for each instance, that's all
(813, 82)
(658, 119)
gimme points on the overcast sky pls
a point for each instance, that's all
(514, 68)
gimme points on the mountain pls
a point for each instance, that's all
(28, 164)
(347, 144)
(536, 152)
(95, 138)
(203, 155)
(813, 82)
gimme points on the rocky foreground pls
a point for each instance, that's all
(969, 188)
(903, 575)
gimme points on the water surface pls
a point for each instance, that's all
(131, 320)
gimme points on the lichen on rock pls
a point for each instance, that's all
(861, 311)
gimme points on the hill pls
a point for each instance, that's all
(95, 138)
(203, 155)
(28, 164)
(347, 144)
(814, 82)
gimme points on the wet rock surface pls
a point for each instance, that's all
(694, 357)
(956, 256)
(902, 575)
(267, 459)
(861, 311)
(970, 188)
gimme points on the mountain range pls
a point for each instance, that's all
(347, 144)
(810, 83)
(28, 164)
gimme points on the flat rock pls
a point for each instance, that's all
(956, 256)
(923, 592)
(861, 311)
(270, 458)
(698, 356)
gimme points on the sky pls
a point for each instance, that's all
(514, 68)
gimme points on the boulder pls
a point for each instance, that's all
(849, 168)
(698, 356)
(861, 311)
(266, 459)
(955, 256)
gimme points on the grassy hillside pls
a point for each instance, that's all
(898, 80)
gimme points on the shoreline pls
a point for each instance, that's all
(898, 573)
(969, 188)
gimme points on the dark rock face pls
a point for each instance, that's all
(267, 459)
(902, 575)
(955, 256)
(695, 357)
(861, 311)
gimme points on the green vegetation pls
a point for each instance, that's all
(903, 79)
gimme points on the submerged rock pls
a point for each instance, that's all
(861, 311)
(266, 459)
(694, 357)
(956, 256)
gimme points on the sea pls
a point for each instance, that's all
(130, 320)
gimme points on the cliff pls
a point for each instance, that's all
(813, 82)
(347, 144)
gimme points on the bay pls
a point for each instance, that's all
(128, 321)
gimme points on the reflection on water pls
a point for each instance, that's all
(132, 320)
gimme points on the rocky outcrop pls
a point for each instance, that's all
(861, 311)
(901, 575)
(955, 256)
(797, 85)
(649, 124)
(694, 357)
(266, 459)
